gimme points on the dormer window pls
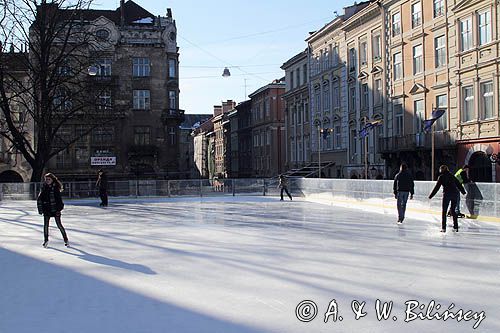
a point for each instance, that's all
(102, 34)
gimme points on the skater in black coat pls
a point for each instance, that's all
(50, 204)
(283, 185)
(451, 186)
(102, 184)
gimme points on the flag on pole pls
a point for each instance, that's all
(369, 126)
(436, 114)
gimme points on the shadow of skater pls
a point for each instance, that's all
(109, 262)
(473, 199)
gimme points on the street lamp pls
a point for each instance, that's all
(321, 132)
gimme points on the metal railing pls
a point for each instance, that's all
(151, 188)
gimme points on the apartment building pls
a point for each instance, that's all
(268, 129)
(297, 112)
(137, 76)
(366, 89)
(474, 45)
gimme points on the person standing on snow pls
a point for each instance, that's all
(102, 185)
(50, 204)
(403, 187)
(451, 188)
(283, 184)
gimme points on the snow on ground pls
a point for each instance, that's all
(240, 265)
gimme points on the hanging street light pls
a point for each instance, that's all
(226, 73)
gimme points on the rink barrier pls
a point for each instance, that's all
(482, 202)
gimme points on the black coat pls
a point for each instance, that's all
(450, 184)
(403, 182)
(49, 200)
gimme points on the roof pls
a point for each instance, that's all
(275, 84)
(133, 14)
(15, 61)
(194, 120)
(296, 58)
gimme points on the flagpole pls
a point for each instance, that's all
(432, 149)
(366, 157)
(319, 152)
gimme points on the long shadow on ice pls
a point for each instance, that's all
(42, 297)
(107, 261)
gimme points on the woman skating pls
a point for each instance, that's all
(451, 186)
(50, 204)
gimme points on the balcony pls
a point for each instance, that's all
(172, 114)
(142, 150)
(423, 141)
(108, 80)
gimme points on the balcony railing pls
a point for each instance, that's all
(172, 114)
(422, 140)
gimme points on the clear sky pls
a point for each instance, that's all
(252, 38)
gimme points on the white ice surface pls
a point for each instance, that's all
(237, 265)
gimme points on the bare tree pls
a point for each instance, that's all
(47, 49)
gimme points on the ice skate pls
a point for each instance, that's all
(45, 244)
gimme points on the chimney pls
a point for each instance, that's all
(122, 13)
(169, 12)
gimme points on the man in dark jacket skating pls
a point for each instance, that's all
(403, 187)
(102, 185)
(451, 186)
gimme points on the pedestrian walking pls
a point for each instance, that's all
(463, 178)
(50, 204)
(283, 184)
(451, 187)
(102, 185)
(403, 187)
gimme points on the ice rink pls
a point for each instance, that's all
(243, 264)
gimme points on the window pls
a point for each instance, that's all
(398, 66)
(362, 53)
(171, 135)
(141, 100)
(416, 14)
(268, 137)
(352, 59)
(468, 103)
(438, 8)
(487, 100)
(352, 98)
(335, 55)
(326, 58)
(63, 159)
(336, 95)
(338, 136)
(377, 92)
(267, 107)
(299, 150)
(484, 22)
(442, 122)
(104, 100)
(140, 67)
(291, 79)
(102, 135)
(440, 45)
(80, 133)
(376, 47)
(172, 100)
(418, 65)
(396, 24)
(418, 106)
(172, 68)
(297, 72)
(466, 34)
(62, 99)
(142, 135)
(304, 70)
(292, 150)
(102, 34)
(398, 115)
(352, 142)
(317, 101)
(306, 112)
(82, 156)
(364, 96)
(103, 67)
(326, 96)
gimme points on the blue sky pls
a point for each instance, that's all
(252, 38)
